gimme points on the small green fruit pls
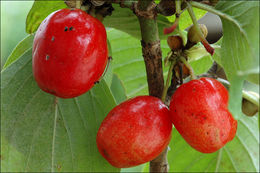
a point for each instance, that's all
(193, 36)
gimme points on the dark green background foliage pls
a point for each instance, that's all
(43, 133)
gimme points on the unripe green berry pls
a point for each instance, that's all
(193, 36)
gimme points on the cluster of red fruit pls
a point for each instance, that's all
(138, 130)
(70, 54)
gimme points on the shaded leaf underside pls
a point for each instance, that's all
(43, 133)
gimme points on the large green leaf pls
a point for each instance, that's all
(200, 59)
(20, 49)
(39, 11)
(125, 20)
(185, 20)
(42, 133)
(239, 53)
(239, 155)
(128, 62)
(118, 89)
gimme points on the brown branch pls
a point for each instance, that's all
(153, 61)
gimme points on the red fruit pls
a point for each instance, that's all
(135, 132)
(199, 111)
(69, 53)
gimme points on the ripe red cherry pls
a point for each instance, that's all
(134, 132)
(69, 53)
(199, 111)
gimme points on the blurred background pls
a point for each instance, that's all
(13, 17)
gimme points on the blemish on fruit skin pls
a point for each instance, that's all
(47, 57)
(71, 28)
(66, 28)
(96, 82)
(53, 38)
(52, 92)
(105, 153)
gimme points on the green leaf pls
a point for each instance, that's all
(20, 49)
(125, 20)
(43, 133)
(185, 20)
(135, 169)
(201, 65)
(118, 89)
(128, 62)
(239, 53)
(239, 155)
(129, 65)
(200, 59)
(240, 43)
(39, 11)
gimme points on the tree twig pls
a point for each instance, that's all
(153, 61)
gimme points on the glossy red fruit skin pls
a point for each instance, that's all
(69, 53)
(134, 132)
(199, 111)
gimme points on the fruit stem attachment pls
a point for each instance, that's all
(198, 31)
(185, 62)
(165, 89)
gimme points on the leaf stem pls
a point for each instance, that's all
(198, 30)
(168, 80)
(194, 20)
(178, 7)
(246, 95)
(250, 98)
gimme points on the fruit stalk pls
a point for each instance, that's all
(199, 32)
(153, 61)
(165, 89)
